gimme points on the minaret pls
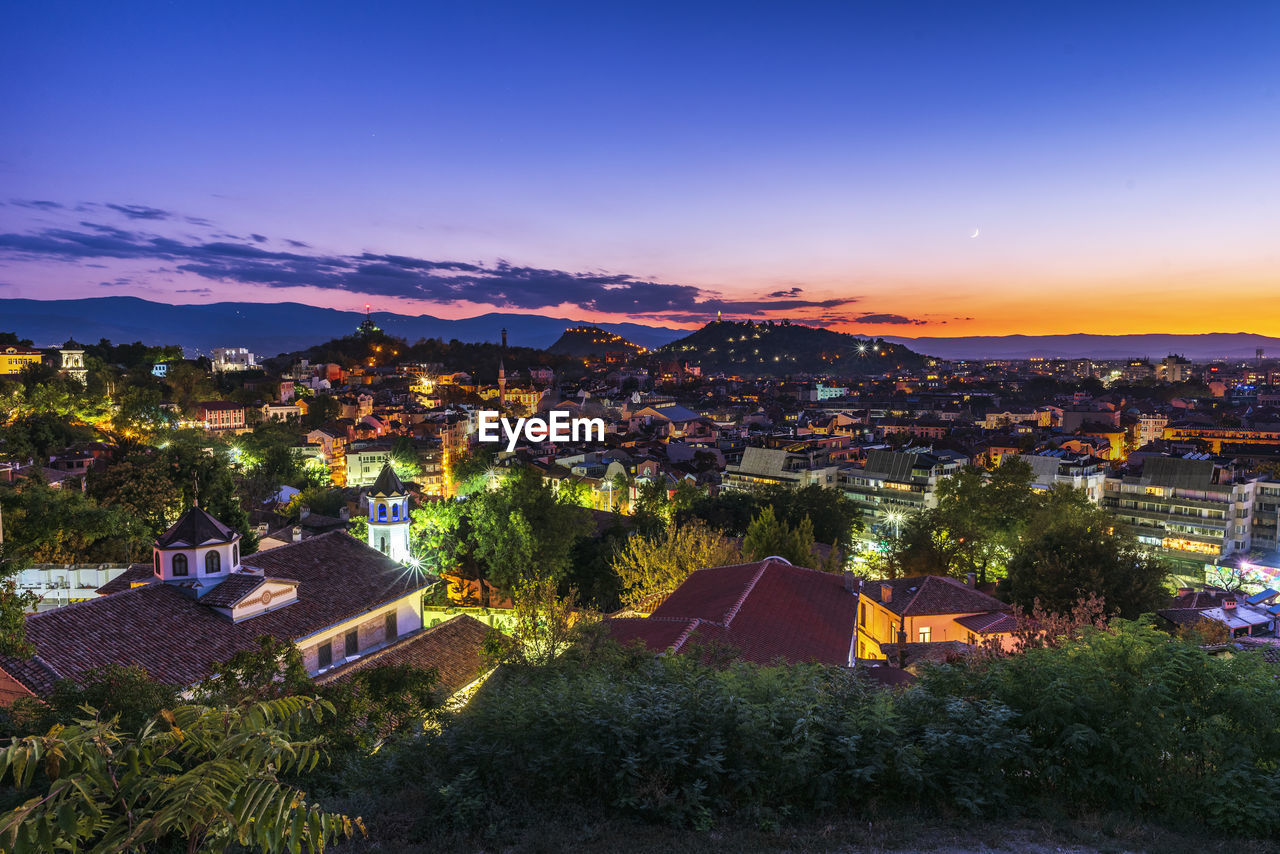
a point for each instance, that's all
(389, 516)
(502, 372)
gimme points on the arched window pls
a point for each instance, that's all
(156, 560)
(395, 512)
(235, 555)
(382, 544)
(179, 564)
(382, 512)
(212, 563)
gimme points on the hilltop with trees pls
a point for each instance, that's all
(778, 348)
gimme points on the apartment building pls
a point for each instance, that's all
(1063, 468)
(1193, 510)
(780, 466)
(893, 484)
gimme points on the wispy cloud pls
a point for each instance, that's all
(502, 284)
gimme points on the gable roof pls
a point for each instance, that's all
(178, 638)
(388, 483)
(767, 610)
(196, 527)
(925, 595)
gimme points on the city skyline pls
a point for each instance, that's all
(906, 171)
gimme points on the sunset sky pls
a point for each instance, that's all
(904, 168)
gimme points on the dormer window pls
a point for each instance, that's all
(212, 563)
(179, 565)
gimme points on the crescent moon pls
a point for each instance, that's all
(975, 233)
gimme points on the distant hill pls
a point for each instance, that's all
(271, 328)
(592, 341)
(786, 348)
(1203, 347)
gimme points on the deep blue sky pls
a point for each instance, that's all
(1124, 156)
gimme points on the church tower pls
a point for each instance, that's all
(73, 361)
(389, 516)
(502, 372)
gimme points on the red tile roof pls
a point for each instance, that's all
(454, 649)
(137, 573)
(924, 595)
(177, 639)
(990, 623)
(768, 610)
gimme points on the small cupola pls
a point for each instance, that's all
(198, 551)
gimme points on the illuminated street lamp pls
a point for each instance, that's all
(894, 519)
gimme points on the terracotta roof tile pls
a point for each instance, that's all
(177, 640)
(768, 610)
(923, 595)
(454, 649)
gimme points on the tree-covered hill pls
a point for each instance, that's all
(592, 341)
(779, 348)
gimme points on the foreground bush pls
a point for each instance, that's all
(1124, 719)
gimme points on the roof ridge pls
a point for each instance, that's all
(693, 622)
(751, 585)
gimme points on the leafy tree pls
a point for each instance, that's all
(769, 536)
(658, 564)
(1072, 548)
(406, 460)
(123, 692)
(522, 531)
(272, 670)
(975, 528)
(47, 525)
(546, 625)
(376, 703)
(205, 778)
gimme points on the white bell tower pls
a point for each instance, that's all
(389, 516)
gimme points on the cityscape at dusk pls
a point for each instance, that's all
(616, 428)
(931, 167)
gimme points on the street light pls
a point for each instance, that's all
(894, 519)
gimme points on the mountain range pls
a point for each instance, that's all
(271, 328)
(1202, 347)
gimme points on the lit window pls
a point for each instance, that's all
(925, 634)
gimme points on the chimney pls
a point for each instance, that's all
(304, 511)
(1185, 591)
(970, 579)
(1229, 604)
(297, 533)
(850, 581)
(886, 593)
(345, 513)
(262, 529)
